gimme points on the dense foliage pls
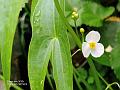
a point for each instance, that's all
(41, 43)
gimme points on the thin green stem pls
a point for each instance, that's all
(83, 64)
(77, 82)
(49, 80)
(77, 40)
(75, 70)
(83, 81)
(82, 37)
(76, 28)
(114, 83)
(75, 77)
(86, 84)
(104, 81)
(97, 80)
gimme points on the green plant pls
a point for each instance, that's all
(55, 25)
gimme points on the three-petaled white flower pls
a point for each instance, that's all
(92, 46)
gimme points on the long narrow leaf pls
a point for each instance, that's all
(41, 43)
(8, 22)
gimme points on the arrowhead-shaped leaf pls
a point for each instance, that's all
(49, 39)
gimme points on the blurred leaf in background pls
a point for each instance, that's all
(104, 60)
(108, 32)
(91, 13)
(115, 55)
(118, 6)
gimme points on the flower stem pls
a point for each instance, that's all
(75, 77)
(77, 82)
(86, 84)
(104, 81)
(77, 40)
(109, 85)
(76, 28)
(82, 37)
(97, 80)
(83, 81)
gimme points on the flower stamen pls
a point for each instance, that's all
(92, 45)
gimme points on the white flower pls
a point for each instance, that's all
(92, 46)
(109, 49)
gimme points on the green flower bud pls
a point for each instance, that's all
(82, 30)
(75, 15)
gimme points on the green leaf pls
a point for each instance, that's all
(118, 6)
(71, 41)
(8, 22)
(90, 16)
(82, 74)
(117, 38)
(115, 61)
(93, 72)
(109, 32)
(115, 55)
(104, 60)
(49, 41)
(62, 65)
(70, 4)
(90, 80)
(41, 43)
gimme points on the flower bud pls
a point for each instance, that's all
(75, 15)
(82, 30)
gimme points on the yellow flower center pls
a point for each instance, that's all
(92, 45)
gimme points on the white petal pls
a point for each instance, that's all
(98, 51)
(93, 36)
(85, 49)
(109, 49)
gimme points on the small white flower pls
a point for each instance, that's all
(109, 49)
(92, 46)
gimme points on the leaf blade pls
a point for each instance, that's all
(62, 66)
(47, 26)
(40, 43)
(8, 22)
